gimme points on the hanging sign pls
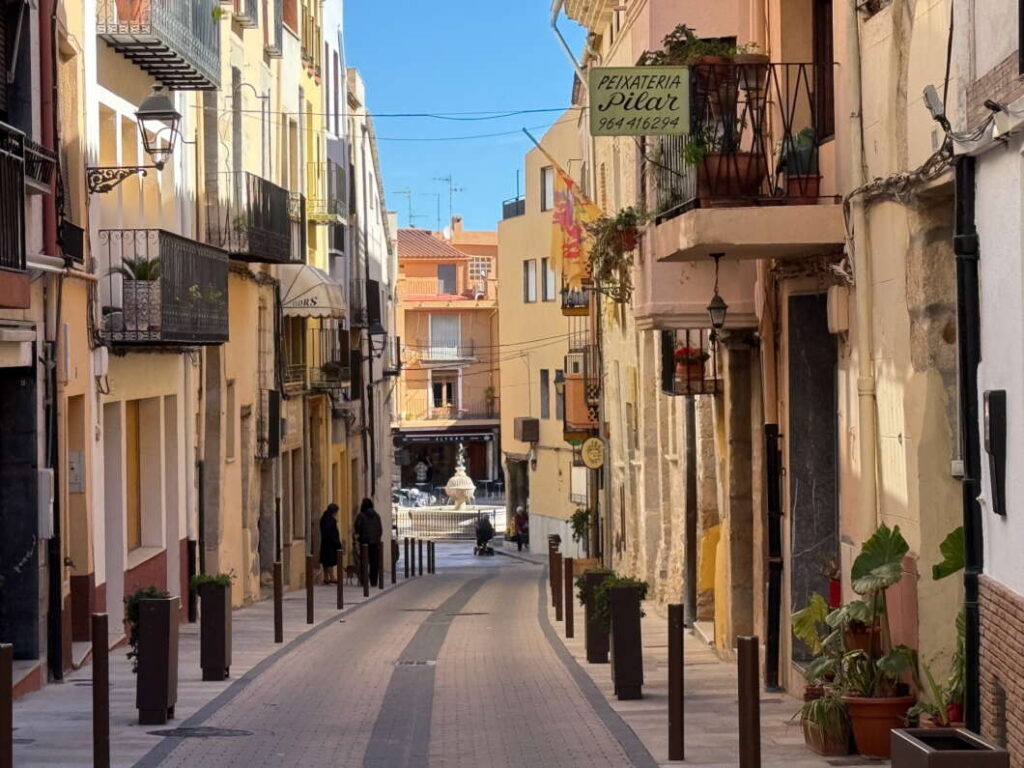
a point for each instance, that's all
(639, 101)
(592, 453)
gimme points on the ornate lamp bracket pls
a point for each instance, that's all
(103, 179)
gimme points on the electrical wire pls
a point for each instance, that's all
(497, 346)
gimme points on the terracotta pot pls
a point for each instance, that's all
(825, 742)
(724, 176)
(859, 637)
(813, 692)
(628, 239)
(803, 189)
(689, 377)
(873, 719)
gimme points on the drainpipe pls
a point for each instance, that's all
(861, 251)
(965, 247)
(556, 9)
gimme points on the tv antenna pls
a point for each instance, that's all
(437, 198)
(408, 194)
(452, 189)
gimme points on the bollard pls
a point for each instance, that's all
(310, 566)
(431, 562)
(749, 685)
(340, 579)
(551, 569)
(419, 556)
(570, 620)
(675, 682)
(412, 555)
(557, 586)
(278, 607)
(380, 566)
(406, 564)
(364, 568)
(394, 561)
(6, 705)
(100, 692)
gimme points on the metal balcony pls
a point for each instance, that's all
(689, 363)
(175, 41)
(326, 203)
(249, 218)
(329, 359)
(514, 207)
(156, 287)
(443, 351)
(12, 198)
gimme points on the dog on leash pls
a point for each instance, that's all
(350, 574)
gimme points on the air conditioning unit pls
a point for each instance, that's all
(527, 429)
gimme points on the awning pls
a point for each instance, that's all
(309, 292)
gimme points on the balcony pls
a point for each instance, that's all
(357, 302)
(329, 359)
(514, 207)
(689, 363)
(39, 165)
(676, 295)
(250, 218)
(433, 289)
(160, 288)
(326, 203)
(442, 351)
(575, 301)
(274, 47)
(12, 199)
(175, 41)
(591, 14)
(246, 13)
(582, 393)
(753, 178)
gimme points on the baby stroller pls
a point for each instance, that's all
(484, 534)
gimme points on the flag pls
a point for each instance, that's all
(572, 211)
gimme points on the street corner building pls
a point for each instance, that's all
(197, 324)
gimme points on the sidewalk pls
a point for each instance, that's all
(712, 739)
(53, 727)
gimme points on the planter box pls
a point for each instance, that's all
(944, 748)
(215, 631)
(156, 683)
(626, 642)
(596, 636)
(824, 743)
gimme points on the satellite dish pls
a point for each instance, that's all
(447, 232)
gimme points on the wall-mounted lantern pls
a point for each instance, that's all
(717, 309)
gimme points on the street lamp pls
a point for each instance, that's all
(717, 309)
(560, 383)
(159, 126)
(378, 338)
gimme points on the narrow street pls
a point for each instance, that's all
(452, 670)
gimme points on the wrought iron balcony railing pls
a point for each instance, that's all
(39, 165)
(358, 316)
(327, 203)
(442, 351)
(156, 287)
(249, 218)
(575, 301)
(175, 41)
(754, 137)
(329, 363)
(12, 198)
(689, 362)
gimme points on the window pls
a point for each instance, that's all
(559, 398)
(824, 71)
(443, 388)
(545, 394)
(133, 474)
(547, 273)
(446, 279)
(530, 281)
(229, 422)
(547, 188)
(444, 337)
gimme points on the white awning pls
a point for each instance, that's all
(309, 292)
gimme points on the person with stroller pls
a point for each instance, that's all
(369, 531)
(484, 533)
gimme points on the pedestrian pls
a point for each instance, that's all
(369, 531)
(330, 543)
(522, 528)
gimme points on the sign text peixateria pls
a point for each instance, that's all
(639, 101)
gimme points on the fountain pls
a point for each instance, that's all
(460, 488)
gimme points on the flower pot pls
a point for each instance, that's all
(215, 631)
(156, 681)
(803, 189)
(813, 692)
(752, 71)
(723, 177)
(871, 720)
(626, 642)
(824, 742)
(944, 748)
(595, 633)
(711, 72)
(628, 239)
(129, 11)
(860, 637)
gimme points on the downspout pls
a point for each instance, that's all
(965, 247)
(859, 243)
(556, 9)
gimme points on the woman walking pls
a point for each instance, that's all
(369, 531)
(330, 543)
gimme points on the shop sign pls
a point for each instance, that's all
(593, 453)
(639, 101)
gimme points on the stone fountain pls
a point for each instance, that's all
(460, 488)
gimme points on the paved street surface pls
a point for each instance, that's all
(464, 668)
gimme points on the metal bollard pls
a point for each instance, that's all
(419, 556)
(6, 705)
(380, 566)
(310, 565)
(570, 619)
(100, 692)
(551, 569)
(676, 627)
(364, 568)
(406, 564)
(556, 588)
(278, 606)
(749, 686)
(430, 558)
(340, 578)
(394, 561)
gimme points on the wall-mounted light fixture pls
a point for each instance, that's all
(378, 338)
(159, 123)
(717, 309)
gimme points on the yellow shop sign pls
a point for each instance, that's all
(639, 101)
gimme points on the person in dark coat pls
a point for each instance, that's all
(330, 543)
(369, 531)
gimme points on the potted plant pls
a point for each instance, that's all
(689, 373)
(140, 291)
(752, 70)
(131, 619)
(810, 627)
(214, 592)
(826, 725)
(152, 616)
(612, 242)
(800, 162)
(595, 627)
(620, 599)
(870, 680)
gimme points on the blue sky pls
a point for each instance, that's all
(457, 56)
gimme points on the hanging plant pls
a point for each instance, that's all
(613, 239)
(580, 522)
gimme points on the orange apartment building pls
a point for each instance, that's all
(448, 326)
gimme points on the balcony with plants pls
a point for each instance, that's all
(329, 359)
(249, 218)
(754, 175)
(158, 288)
(689, 363)
(175, 41)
